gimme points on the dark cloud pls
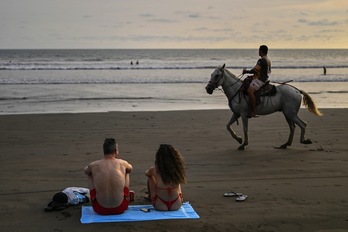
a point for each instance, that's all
(146, 15)
(152, 18)
(322, 22)
(330, 31)
(202, 29)
(188, 14)
(162, 38)
(193, 15)
(161, 20)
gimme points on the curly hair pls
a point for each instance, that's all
(170, 165)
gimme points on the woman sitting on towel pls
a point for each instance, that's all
(165, 179)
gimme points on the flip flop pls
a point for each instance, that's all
(232, 194)
(241, 198)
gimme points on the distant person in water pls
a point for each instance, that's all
(165, 179)
(324, 68)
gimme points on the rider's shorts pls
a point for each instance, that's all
(256, 84)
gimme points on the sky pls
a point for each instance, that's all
(173, 24)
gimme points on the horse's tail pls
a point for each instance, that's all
(309, 103)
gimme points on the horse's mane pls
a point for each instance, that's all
(231, 74)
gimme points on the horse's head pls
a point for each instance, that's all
(216, 79)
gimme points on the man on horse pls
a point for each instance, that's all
(260, 76)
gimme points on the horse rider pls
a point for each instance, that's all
(260, 76)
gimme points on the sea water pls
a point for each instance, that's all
(102, 80)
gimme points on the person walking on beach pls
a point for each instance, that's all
(260, 76)
(108, 181)
(165, 179)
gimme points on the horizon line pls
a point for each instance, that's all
(159, 48)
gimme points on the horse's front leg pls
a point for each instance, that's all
(228, 126)
(245, 121)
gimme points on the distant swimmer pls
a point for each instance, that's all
(324, 70)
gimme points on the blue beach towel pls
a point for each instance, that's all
(134, 214)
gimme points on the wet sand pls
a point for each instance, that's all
(302, 188)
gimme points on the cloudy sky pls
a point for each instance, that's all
(173, 24)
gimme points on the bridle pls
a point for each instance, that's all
(215, 84)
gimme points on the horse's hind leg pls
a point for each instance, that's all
(291, 135)
(303, 126)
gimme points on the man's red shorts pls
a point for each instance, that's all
(109, 211)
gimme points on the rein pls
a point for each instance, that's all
(237, 92)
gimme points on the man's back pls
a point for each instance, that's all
(109, 181)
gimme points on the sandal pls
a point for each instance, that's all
(232, 194)
(241, 198)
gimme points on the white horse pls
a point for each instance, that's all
(287, 99)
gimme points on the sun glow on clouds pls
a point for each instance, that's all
(173, 24)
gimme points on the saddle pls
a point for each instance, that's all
(266, 90)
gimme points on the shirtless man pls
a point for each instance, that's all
(108, 181)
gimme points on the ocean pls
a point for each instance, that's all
(103, 80)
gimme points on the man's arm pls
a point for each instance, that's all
(248, 71)
(88, 170)
(255, 69)
(128, 166)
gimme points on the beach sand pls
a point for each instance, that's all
(302, 188)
